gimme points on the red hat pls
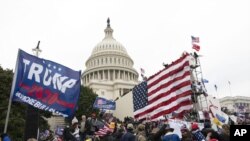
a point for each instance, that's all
(194, 126)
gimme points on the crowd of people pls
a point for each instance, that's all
(105, 127)
(93, 129)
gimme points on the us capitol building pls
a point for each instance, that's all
(110, 73)
(109, 69)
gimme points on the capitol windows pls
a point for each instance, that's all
(115, 60)
(106, 59)
(118, 60)
(110, 60)
(102, 61)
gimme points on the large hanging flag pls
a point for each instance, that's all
(165, 92)
(195, 43)
(104, 104)
(46, 85)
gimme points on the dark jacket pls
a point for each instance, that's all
(157, 136)
(129, 136)
(67, 136)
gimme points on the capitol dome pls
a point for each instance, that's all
(109, 69)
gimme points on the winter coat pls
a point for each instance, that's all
(171, 137)
(129, 136)
(141, 136)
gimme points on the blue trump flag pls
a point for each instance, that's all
(102, 103)
(46, 85)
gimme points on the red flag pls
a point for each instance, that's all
(165, 92)
(196, 47)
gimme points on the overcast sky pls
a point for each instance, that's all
(152, 31)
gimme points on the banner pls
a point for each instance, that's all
(46, 85)
(102, 103)
(220, 117)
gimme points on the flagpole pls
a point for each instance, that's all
(32, 114)
(11, 95)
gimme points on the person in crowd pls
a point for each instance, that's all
(82, 128)
(207, 128)
(75, 129)
(118, 134)
(129, 135)
(67, 135)
(213, 136)
(141, 134)
(196, 132)
(158, 133)
(225, 133)
(186, 134)
(108, 137)
(91, 125)
(170, 136)
(5, 137)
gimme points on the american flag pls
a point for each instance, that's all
(196, 47)
(198, 135)
(195, 39)
(167, 91)
(104, 130)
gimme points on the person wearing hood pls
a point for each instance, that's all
(141, 134)
(82, 128)
(75, 129)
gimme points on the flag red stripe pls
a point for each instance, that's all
(196, 47)
(168, 83)
(169, 90)
(173, 89)
(165, 103)
(183, 103)
(171, 73)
